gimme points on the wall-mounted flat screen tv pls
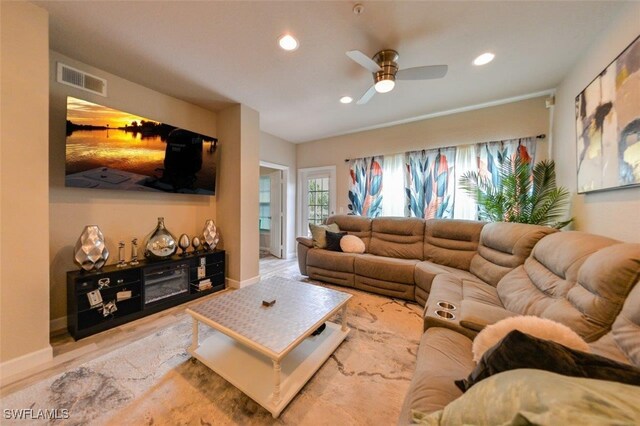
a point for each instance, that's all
(111, 149)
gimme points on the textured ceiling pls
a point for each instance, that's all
(213, 53)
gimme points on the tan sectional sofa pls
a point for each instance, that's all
(487, 272)
(404, 255)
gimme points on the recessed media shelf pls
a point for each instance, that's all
(138, 291)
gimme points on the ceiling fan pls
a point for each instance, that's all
(384, 66)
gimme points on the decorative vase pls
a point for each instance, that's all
(160, 243)
(195, 243)
(90, 251)
(184, 243)
(210, 235)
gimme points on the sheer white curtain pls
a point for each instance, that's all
(393, 185)
(466, 160)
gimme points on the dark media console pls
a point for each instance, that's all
(100, 300)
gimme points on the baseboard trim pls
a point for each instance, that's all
(58, 324)
(11, 370)
(239, 284)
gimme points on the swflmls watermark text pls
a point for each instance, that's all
(35, 414)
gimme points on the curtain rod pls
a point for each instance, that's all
(540, 136)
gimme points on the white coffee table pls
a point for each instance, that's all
(266, 352)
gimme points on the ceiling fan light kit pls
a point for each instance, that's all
(384, 85)
(385, 79)
(384, 67)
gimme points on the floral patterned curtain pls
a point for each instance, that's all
(365, 186)
(429, 183)
(492, 154)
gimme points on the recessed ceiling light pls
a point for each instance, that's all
(288, 42)
(484, 59)
(346, 99)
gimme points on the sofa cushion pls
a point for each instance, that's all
(331, 260)
(319, 233)
(397, 237)
(385, 268)
(443, 357)
(424, 274)
(352, 244)
(578, 279)
(623, 341)
(426, 271)
(451, 243)
(354, 225)
(504, 246)
(333, 240)
(386, 288)
(536, 397)
(346, 279)
(550, 271)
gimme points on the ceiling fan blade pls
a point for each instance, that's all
(363, 60)
(422, 73)
(367, 96)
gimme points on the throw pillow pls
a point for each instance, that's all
(352, 244)
(535, 397)
(535, 326)
(319, 233)
(520, 350)
(333, 240)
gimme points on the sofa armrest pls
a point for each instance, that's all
(478, 315)
(305, 241)
(304, 245)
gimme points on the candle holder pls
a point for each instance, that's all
(134, 252)
(121, 262)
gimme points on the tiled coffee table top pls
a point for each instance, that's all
(298, 308)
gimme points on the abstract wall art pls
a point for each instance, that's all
(608, 125)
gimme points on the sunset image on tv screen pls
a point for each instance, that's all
(111, 149)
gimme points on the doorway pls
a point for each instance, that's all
(271, 217)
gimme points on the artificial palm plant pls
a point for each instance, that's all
(519, 195)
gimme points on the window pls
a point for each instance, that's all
(426, 183)
(265, 203)
(316, 196)
(318, 200)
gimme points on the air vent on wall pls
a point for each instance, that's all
(81, 80)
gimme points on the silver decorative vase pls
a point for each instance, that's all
(210, 234)
(184, 244)
(160, 243)
(90, 251)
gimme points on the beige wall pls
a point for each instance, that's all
(519, 119)
(120, 215)
(250, 193)
(237, 202)
(278, 151)
(612, 213)
(24, 188)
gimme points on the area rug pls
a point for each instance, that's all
(153, 381)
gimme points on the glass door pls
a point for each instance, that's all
(318, 197)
